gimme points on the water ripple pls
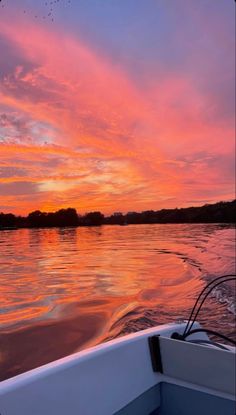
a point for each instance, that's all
(130, 277)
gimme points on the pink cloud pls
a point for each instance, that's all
(116, 144)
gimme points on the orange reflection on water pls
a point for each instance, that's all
(83, 285)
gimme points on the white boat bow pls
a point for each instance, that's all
(139, 374)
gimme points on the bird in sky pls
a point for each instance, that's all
(50, 8)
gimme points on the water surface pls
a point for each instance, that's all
(65, 289)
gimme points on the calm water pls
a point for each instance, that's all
(64, 289)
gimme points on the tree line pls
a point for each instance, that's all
(221, 212)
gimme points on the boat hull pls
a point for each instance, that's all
(109, 378)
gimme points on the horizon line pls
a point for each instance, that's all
(118, 212)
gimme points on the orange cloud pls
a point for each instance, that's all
(95, 139)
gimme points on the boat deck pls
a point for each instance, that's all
(169, 399)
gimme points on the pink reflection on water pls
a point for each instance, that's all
(82, 285)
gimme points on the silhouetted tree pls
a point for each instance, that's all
(66, 217)
(7, 220)
(63, 217)
(93, 219)
(222, 212)
(36, 218)
(115, 219)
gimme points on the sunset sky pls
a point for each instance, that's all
(116, 105)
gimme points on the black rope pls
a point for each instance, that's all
(201, 293)
(204, 298)
(215, 333)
